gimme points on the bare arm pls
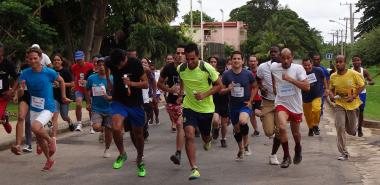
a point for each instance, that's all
(63, 89)
(142, 84)
(368, 77)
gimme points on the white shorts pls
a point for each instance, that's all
(43, 117)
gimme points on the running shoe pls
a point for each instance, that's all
(223, 143)
(176, 158)
(286, 162)
(297, 158)
(71, 127)
(48, 165)
(92, 131)
(239, 156)
(207, 146)
(247, 151)
(52, 146)
(141, 172)
(273, 160)
(7, 126)
(79, 128)
(157, 122)
(107, 153)
(194, 174)
(316, 130)
(343, 157)
(27, 149)
(255, 133)
(120, 161)
(174, 129)
(311, 132)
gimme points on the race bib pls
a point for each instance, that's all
(1, 84)
(237, 92)
(38, 103)
(98, 90)
(311, 78)
(286, 90)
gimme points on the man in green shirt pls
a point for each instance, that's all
(198, 81)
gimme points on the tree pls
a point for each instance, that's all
(371, 16)
(367, 48)
(197, 18)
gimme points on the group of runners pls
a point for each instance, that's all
(122, 94)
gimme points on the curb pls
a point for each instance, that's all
(366, 122)
(6, 145)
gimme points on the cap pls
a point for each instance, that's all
(79, 55)
(36, 46)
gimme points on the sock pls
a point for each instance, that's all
(285, 147)
(276, 145)
(298, 147)
(79, 122)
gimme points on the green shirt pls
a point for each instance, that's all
(197, 80)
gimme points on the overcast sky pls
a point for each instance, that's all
(316, 12)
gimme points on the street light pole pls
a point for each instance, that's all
(221, 10)
(191, 16)
(202, 32)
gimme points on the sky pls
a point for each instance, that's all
(316, 12)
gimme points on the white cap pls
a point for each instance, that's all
(36, 46)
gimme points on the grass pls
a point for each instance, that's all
(373, 99)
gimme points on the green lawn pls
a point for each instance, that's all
(373, 98)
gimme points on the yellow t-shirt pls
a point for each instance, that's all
(196, 80)
(345, 85)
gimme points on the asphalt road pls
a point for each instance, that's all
(79, 161)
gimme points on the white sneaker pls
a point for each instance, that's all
(92, 131)
(273, 160)
(101, 137)
(106, 154)
(343, 157)
(247, 151)
(79, 128)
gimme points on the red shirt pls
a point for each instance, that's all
(80, 72)
(257, 96)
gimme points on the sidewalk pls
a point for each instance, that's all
(7, 140)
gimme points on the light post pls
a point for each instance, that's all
(202, 32)
(191, 16)
(341, 46)
(221, 10)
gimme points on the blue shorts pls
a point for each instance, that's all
(363, 97)
(235, 113)
(196, 119)
(79, 94)
(134, 115)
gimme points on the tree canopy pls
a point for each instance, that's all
(197, 18)
(371, 16)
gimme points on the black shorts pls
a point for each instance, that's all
(196, 119)
(222, 110)
(256, 105)
(25, 98)
(148, 107)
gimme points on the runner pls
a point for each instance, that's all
(61, 108)
(312, 100)
(148, 95)
(157, 94)
(199, 80)
(345, 86)
(241, 86)
(256, 105)
(79, 70)
(23, 117)
(270, 124)
(39, 81)
(98, 101)
(45, 61)
(288, 81)
(168, 59)
(170, 75)
(317, 63)
(128, 81)
(357, 63)
(220, 119)
(7, 68)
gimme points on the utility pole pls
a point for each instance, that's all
(333, 35)
(202, 32)
(341, 42)
(221, 10)
(352, 18)
(191, 16)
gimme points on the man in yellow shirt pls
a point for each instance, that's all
(345, 86)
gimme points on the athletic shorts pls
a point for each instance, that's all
(196, 119)
(175, 112)
(256, 105)
(63, 109)
(148, 107)
(3, 106)
(25, 98)
(79, 94)
(134, 115)
(101, 118)
(363, 98)
(222, 110)
(293, 117)
(235, 113)
(43, 117)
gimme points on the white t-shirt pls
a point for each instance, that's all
(264, 73)
(145, 94)
(288, 95)
(45, 60)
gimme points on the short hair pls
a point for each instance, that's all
(305, 59)
(237, 53)
(34, 50)
(181, 46)
(209, 59)
(96, 56)
(116, 56)
(192, 48)
(275, 48)
(356, 55)
(64, 62)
